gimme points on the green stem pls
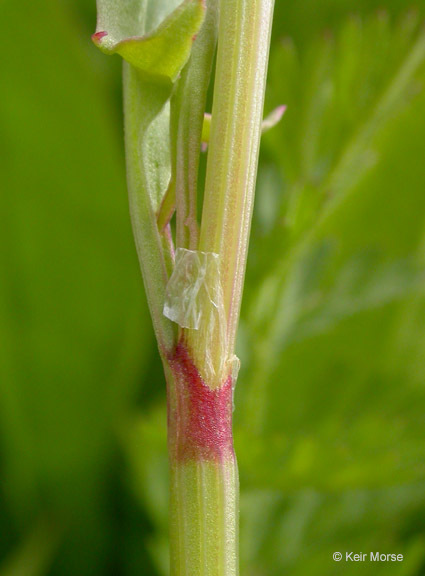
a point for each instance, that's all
(187, 116)
(203, 520)
(243, 48)
(204, 480)
(204, 486)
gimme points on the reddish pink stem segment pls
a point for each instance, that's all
(200, 419)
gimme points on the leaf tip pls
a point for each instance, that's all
(97, 37)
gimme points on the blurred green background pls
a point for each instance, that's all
(330, 403)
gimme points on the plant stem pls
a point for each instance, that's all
(187, 115)
(204, 500)
(167, 62)
(204, 487)
(243, 48)
(204, 480)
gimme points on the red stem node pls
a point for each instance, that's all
(199, 417)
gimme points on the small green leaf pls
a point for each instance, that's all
(161, 51)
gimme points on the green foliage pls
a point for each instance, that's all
(149, 36)
(329, 405)
(330, 410)
(155, 43)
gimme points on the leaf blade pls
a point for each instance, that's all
(159, 52)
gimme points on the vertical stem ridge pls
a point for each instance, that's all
(244, 38)
(203, 530)
(187, 115)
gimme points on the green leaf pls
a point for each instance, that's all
(156, 43)
(132, 31)
(145, 106)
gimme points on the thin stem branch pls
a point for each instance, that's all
(187, 116)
